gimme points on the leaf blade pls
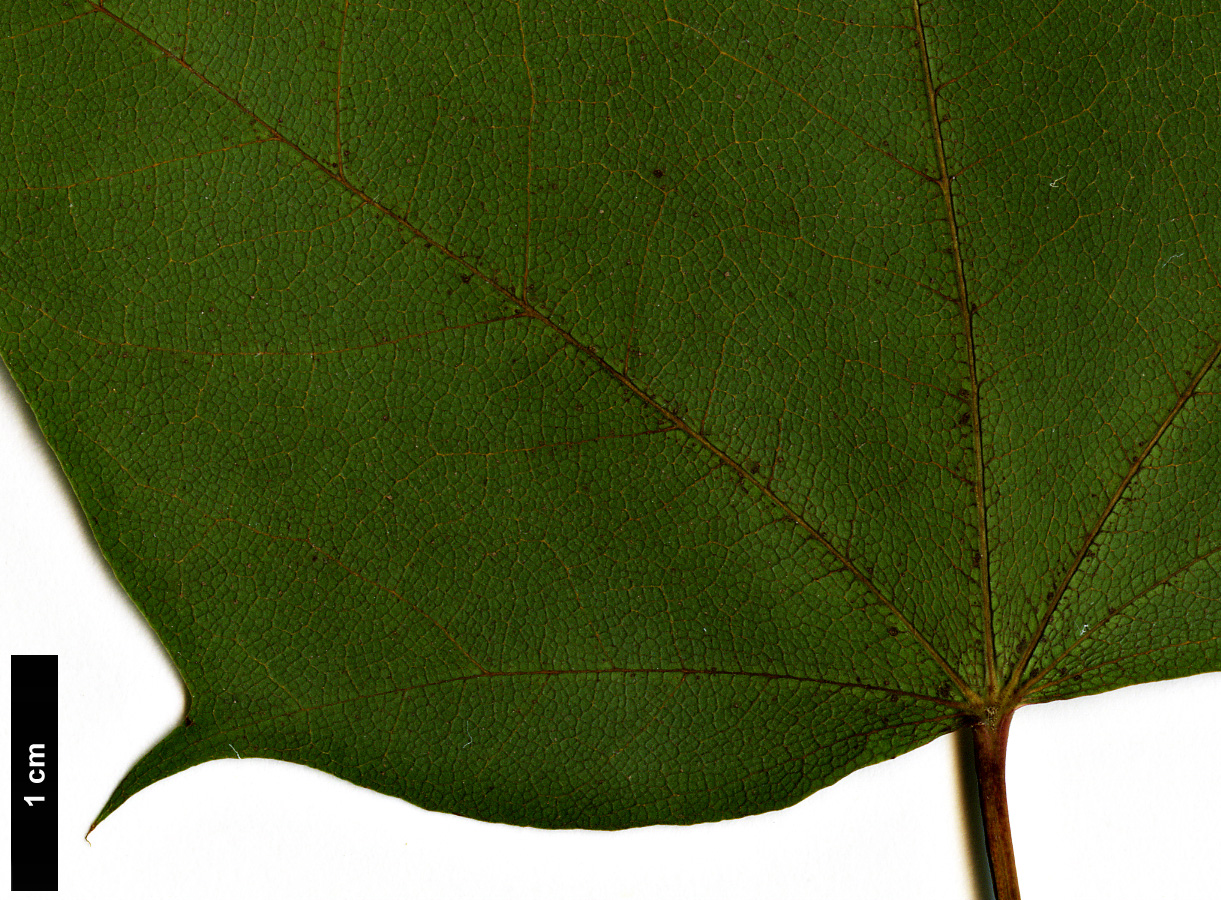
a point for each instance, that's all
(419, 459)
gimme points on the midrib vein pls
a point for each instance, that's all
(965, 313)
(969, 695)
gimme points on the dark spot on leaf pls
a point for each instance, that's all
(466, 279)
(892, 631)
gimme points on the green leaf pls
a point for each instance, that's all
(576, 416)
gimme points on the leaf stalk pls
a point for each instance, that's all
(991, 737)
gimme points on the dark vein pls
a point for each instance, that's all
(161, 162)
(1029, 687)
(216, 354)
(966, 313)
(343, 27)
(802, 98)
(789, 512)
(13, 37)
(186, 30)
(911, 382)
(1138, 461)
(684, 673)
(525, 275)
(845, 563)
(1033, 134)
(1007, 49)
(799, 239)
(1119, 659)
(566, 445)
(843, 23)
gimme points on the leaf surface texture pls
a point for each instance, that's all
(590, 414)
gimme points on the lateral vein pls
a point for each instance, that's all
(529, 311)
(1138, 461)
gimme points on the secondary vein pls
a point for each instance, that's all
(586, 350)
(1138, 460)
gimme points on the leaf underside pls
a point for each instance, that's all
(591, 414)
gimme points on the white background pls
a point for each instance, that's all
(1116, 796)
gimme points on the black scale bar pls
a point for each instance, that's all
(35, 760)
